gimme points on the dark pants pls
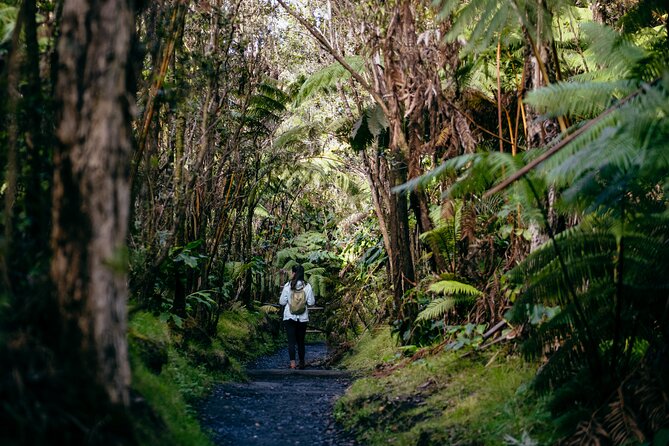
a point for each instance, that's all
(296, 332)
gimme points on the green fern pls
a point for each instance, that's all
(607, 276)
(266, 107)
(494, 18)
(328, 77)
(457, 292)
(453, 287)
(582, 99)
(296, 137)
(8, 15)
(446, 233)
(611, 286)
(436, 309)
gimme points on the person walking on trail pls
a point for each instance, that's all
(296, 296)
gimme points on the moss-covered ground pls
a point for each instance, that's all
(171, 371)
(455, 398)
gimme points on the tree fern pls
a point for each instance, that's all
(453, 287)
(295, 137)
(581, 99)
(605, 275)
(494, 18)
(447, 232)
(456, 292)
(612, 290)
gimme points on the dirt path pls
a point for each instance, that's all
(278, 407)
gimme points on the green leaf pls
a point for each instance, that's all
(328, 77)
(452, 287)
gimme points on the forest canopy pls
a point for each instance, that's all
(463, 171)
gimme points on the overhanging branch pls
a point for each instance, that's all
(559, 146)
(338, 57)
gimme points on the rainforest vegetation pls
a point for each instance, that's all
(477, 190)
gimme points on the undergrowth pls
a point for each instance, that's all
(477, 398)
(171, 372)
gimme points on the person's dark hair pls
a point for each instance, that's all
(299, 275)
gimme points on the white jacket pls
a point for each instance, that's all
(285, 295)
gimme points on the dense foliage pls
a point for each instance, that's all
(467, 172)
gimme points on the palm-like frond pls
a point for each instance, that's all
(494, 18)
(453, 287)
(610, 289)
(615, 54)
(436, 309)
(456, 292)
(475, 172)
(8, 15)
(295, 137)
(266, 107)
(582, 99)
(328, 77)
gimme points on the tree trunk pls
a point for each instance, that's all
(91, 192)
(37, 202)
(404, 277)
(539, 132)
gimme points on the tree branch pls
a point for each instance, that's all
(338, 57)
(559, 146)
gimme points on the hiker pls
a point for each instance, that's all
(296, 295)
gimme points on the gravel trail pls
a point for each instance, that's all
(278, 407)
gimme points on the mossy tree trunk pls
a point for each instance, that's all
(91, 195)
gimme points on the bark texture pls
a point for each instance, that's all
(91, 193)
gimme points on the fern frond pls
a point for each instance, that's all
(583, 99)
(480, 170)
(453, 287)
(574, 243)
(436, 309)
(328, 78)
(611, 50)
(565, 364)
(294, 137)
(622, 424)
(269, 88)
(447, 232)
(8, 15)
(269, 309)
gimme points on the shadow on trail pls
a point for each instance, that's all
(278, 406)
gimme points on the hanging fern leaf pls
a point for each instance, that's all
(328, 77)
(436, 309)
(370, 127)
(583, 99)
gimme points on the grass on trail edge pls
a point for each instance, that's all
(479, 399)
(169, 374)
